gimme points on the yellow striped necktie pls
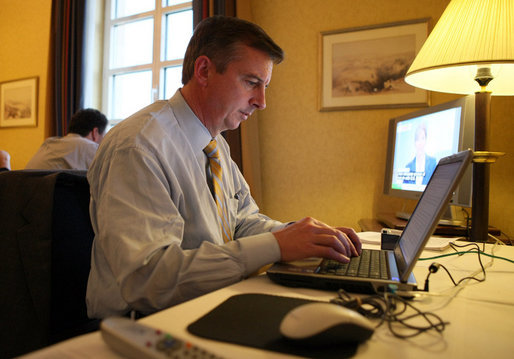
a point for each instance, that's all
(211, 150)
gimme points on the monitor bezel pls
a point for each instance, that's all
(463, 193)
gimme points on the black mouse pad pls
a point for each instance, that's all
(254, 319)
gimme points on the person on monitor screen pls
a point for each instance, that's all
(164, 232)
(77, 149)
(422, 164)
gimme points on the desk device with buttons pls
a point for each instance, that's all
(135, 340)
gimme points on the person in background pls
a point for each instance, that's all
(172, 213)
(77, 149)
(5, 161)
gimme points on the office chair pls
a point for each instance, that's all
(45, 252)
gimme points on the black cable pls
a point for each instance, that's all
(369, 306)
(454, 246)
(433, 320)
(434, 267)
(391, 308)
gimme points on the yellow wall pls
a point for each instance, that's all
(325, 164)
(24, 52)
(330, 165)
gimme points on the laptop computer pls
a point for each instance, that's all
(397, 264)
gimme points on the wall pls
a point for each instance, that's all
(325, 164)
(330, 164)
(24, 52)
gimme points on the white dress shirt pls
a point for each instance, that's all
(69, 152)
(157, 239)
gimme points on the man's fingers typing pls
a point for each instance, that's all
(312, 238)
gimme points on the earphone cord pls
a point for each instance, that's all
(391, 308)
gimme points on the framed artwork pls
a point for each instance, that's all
(18, 103)
(364, 67)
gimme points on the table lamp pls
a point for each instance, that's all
(471, 50)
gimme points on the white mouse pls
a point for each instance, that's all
(325, 324)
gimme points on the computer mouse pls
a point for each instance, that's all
(324, 323)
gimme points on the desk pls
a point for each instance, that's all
(481, 316)
(389, 220)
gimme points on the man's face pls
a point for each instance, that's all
(234, 94)
(420, 141)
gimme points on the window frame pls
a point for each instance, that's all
(158, 65)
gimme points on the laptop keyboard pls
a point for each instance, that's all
(371, 263)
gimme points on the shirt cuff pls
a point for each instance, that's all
(259, 250)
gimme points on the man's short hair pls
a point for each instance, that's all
(218, 38)
(85, 120)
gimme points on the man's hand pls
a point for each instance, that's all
(312, 238)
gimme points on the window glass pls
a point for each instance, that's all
(131, 92)
(132, 43)
(124, 8)
(172, 80)
(179, 28)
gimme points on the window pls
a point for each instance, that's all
(145, 41)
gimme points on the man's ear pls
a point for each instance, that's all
(95, 134)
(202, 67)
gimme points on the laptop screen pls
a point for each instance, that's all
(429, 209)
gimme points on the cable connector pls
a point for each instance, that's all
(434, 267)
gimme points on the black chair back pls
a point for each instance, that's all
(45, 251)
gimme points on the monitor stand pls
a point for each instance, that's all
(451, 217)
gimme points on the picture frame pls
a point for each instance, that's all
(18, 103)
(364, 67)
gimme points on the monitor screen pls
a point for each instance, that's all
(418, 140)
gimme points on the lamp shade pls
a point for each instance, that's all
(471, 34)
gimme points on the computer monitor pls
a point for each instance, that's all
(418, 140)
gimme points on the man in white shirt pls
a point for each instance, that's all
(158, 241)
(77, 149)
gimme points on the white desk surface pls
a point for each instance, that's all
(481, 316)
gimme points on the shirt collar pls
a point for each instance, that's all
(72, 134)
(194, 129)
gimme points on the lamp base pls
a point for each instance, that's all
(482, 158)
(481, 170)
(480, 202)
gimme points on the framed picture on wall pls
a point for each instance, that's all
(18, 103)
(364, 67)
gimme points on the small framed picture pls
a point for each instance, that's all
(364, 67)
(18, 103)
